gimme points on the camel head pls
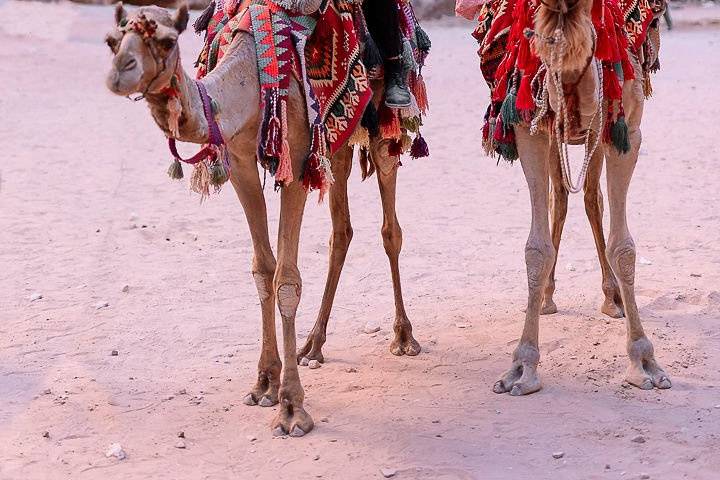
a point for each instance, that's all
(144, 47)
(564, 40)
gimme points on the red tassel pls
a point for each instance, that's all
(613, 91)
(395, 148)
(273, 143)
(524, 97)
(389, 123)
(603, 50)
(419, 148)
(312, 175)
(420, 93)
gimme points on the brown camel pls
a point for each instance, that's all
(612, 304)
(539, 157)
(147, 65)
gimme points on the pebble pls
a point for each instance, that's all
(644, 476)
(388, 472)
(181, 434)
(638, 439)
(644, 261)
(570, 267)
(100, 305)
(251, 438)
(126, 288)
(116, 450)
(313, 364)
(717, 406)
(354, 370)
(133, 217)
(558, 455)
(114, 353)
(371, 327)
(316, 457)
(180, 444)
(462, 325)
(46, 434)
(35, 297)
(304, 362)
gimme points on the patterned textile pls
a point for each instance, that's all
(327, 61)
(509, 65)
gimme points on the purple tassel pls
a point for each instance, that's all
(419, 148)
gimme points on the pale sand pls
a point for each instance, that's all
(77, 162)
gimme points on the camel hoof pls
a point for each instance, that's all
(499, 387)
(612, 310)
(278, 432)
(549, 307)
(292, 420)
(310, 352)
(644, 371)
(249, 400)
(266, 401)
(297, 432)
(405, 345)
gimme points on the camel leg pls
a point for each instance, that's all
(247, 185)
(404, 343)
(643, 371)
(558, 213)
(291, 417)
(612, 305)
(522, 378)
(339, 243)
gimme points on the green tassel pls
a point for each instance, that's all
(508, 110)
(175, 171)
(619, 135)
(423, 40)
(411, 124)
(508, 151)
(619, 71)
(218, 174)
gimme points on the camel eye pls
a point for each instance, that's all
(167, 44)
(112, 42)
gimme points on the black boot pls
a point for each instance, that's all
(397, 94)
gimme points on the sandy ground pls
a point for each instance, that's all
(86, 209)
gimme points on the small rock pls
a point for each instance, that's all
(47, 391)
(644, 261)
(558, 455)
(116, 450)
(644, 476)
(316, 457)
(388, 472)
(181, 434)
(126, 288)
(570, 267)
(354, 370)
(607, 466)
(717, 406)
(46, 434)
(695, 275)
(251, 438)
(313, 364)
(304, 362)
(182, 391)
(371, 327)
(133, 217)
(638, 439)
(462, 325)
(325, 419)
(114, 353)
(35, 297)
(100, 305)
(180, 444)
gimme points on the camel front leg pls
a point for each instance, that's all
(247, 185)
(522, 378)
(404, 343)
(291, 418)
(612, 305)
(643, 371)
(558, 213)
(342, 234)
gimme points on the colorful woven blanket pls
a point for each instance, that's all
(509, 65)
(323, 52)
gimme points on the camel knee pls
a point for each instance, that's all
(342, 237)
(263, 283)
(539, 258)
(288, 299)
(392, 238)
(621, 256)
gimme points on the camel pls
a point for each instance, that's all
(147, 65)
(612, 305)
(541, 161)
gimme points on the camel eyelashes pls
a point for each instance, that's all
(112, 42)
(167, 44)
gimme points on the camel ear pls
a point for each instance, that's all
(180, 20)
(120, 13)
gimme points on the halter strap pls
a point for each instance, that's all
(214, 136)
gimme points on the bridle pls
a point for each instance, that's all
(146, 29)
